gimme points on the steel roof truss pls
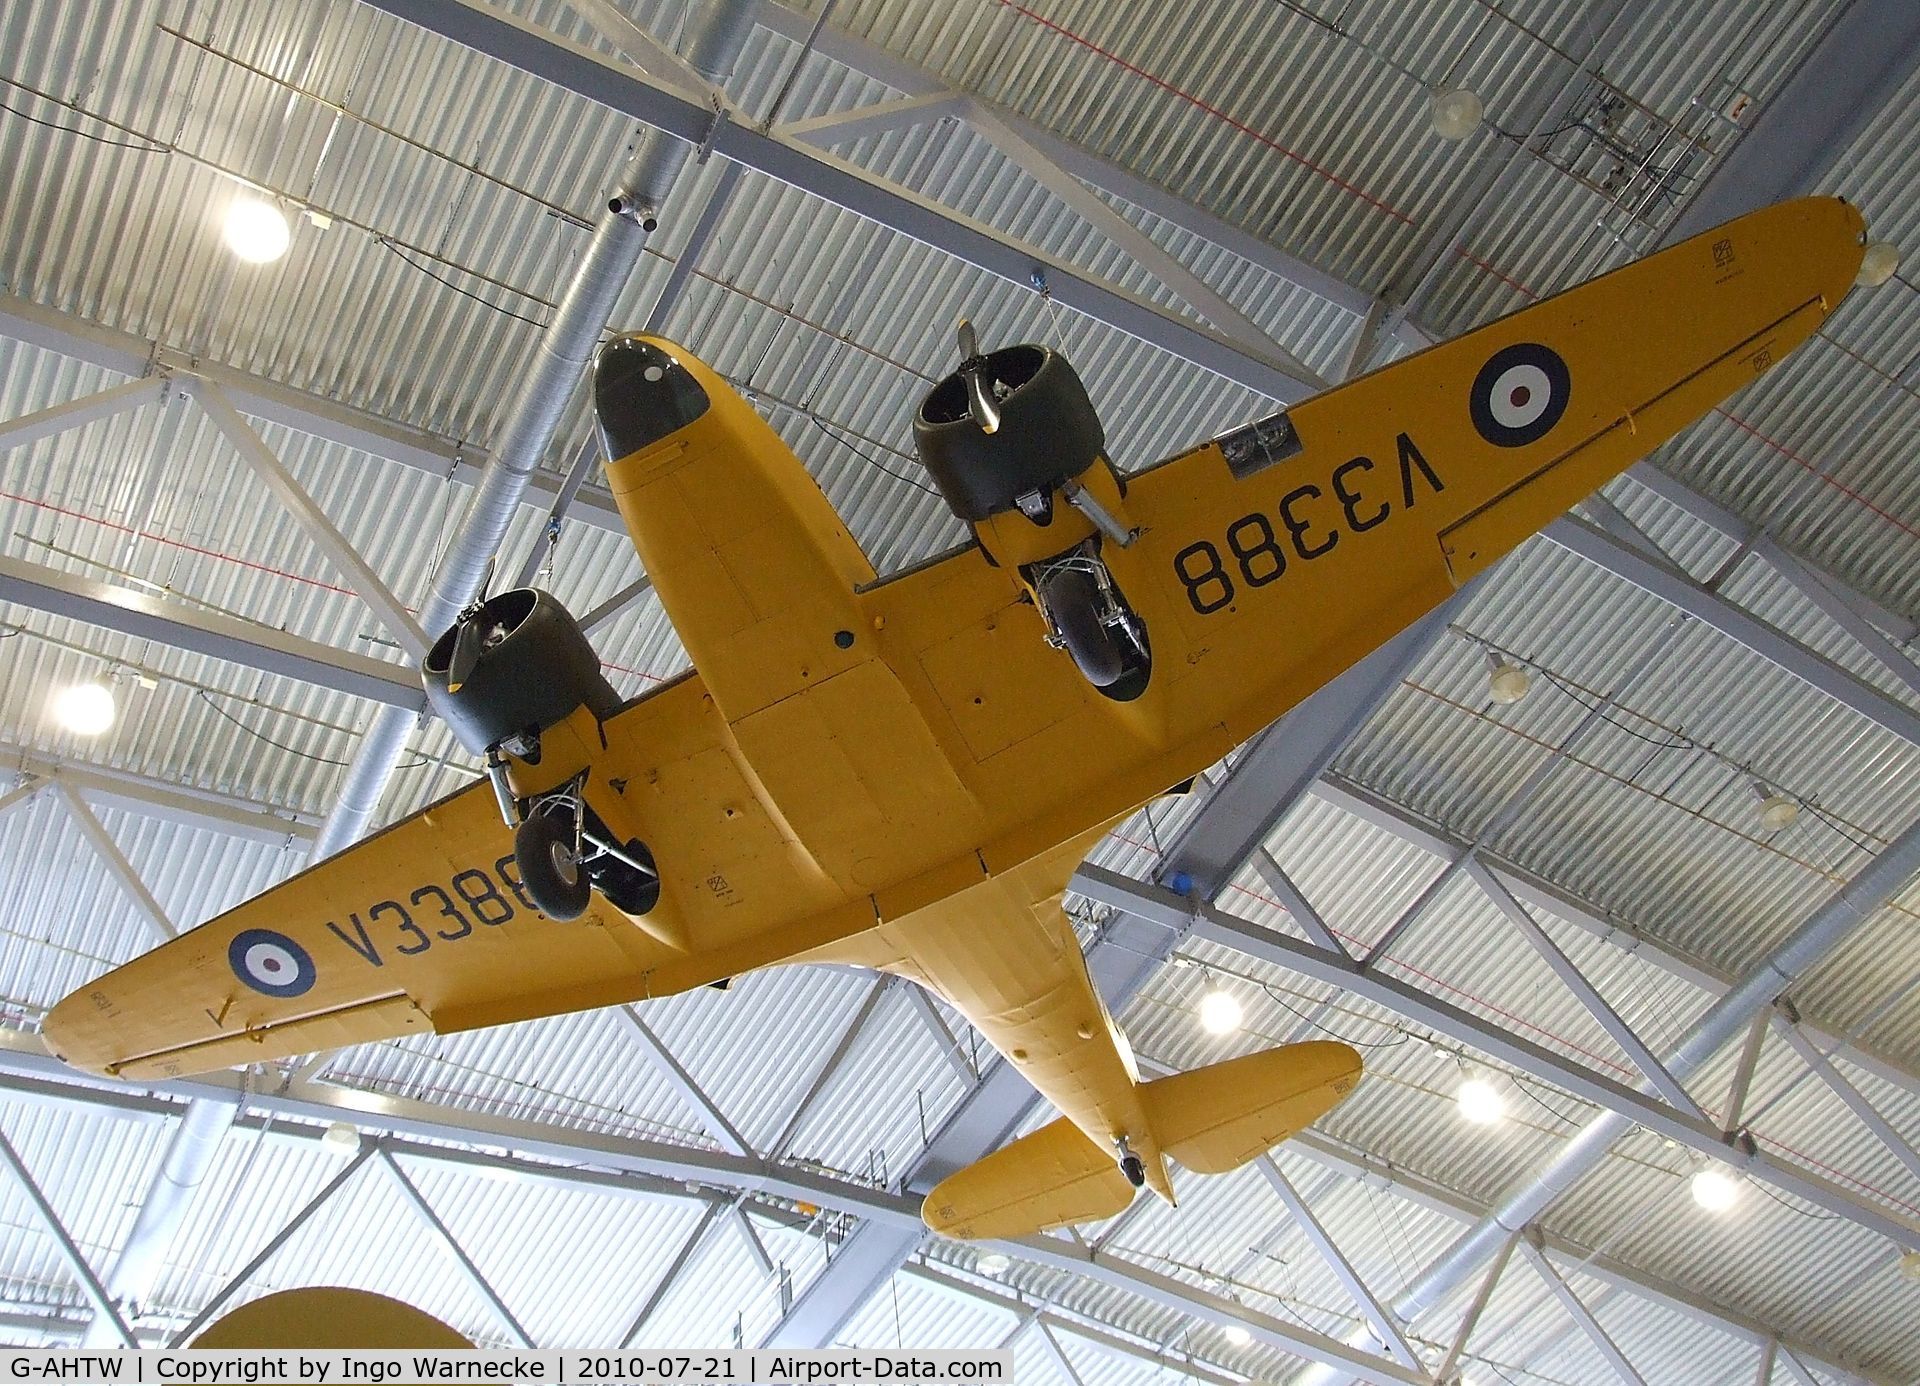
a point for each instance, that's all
(1856, 1101)
(1584, 991)
(76, 413)
(1478, 1306)
(122, 870)
(1465, 1027)
(1378, 1318)
(70, 1252)
(662, 1061)
(1581, 1315)
(345, 559)
(468, 1270)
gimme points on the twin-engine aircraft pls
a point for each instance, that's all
(902, 773)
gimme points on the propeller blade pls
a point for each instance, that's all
(980, 403)
(466, 654)
(969, 340)
(486, 579)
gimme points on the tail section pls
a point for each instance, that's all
(1219, 1117)
(1211, 1120)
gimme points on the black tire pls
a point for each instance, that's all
(629, 891)
(543, 849)
(1073, 600)
(1135, 1170)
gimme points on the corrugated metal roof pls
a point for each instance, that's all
(453, 230)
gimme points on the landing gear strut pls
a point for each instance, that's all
(1089, 618)
(565, 851)
(1131, 1164)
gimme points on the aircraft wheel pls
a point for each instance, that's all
(1073, 600)
(1135, 1169)
(543, 849)
(629, 891)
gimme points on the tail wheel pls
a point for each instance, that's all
(1072, 599)
(549, 867)
(1135, 1169)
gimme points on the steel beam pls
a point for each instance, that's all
(507, 39)
(153, 798)
(936, 1028)
(643, 50)
(1584, 991)
(468, 1270)
(20, 795)
(1376, 1314)
(628, 1169)
(1581, 1315)
(1883, 1130)
(1609, 928)
(1094, 210)
(1853, 72)
(335, 546)
(111, 857)
(703, 1232)
(823, 1076)
(876, 118)
(903, 75)
(70, 1252)
(223, 637)
(1214, 926)
(661, 1060)
(1678, 589)
(1824, 593)
(1475, 1308)
(268, 400)
(266, 1253)
(75, 413)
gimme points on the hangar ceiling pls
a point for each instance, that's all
(225, 487)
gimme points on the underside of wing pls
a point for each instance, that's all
(416, 928)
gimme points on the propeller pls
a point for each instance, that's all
(973, 370)
(469, 640)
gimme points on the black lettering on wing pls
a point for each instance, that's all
(358, 941)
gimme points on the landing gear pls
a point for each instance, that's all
(566, 851)
(544, 847)
(1089, 618)
(1131, 1164)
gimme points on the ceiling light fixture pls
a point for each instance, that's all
(1715, 1188)
(1507, 682)
(992, 1263)
(341, 1138)
(1237, 1334)
(85, 709)
(1455, 113)
(1879, 264)
(1219, 1012)
(256, 231)
(1479, 1099)
(1776, 810)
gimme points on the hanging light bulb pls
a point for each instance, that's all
(256, 231)
(85, 709)
(1479, 1100)
(341, 1138)
(1237, 1334)
(1455, 113)
(1715, 1188)
(992, 1262)
(1219, 1012)
(1776, 810)
(1878, 264)
(1507, 682)
(1910, 1266)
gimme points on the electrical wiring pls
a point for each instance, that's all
(446, 283)
(867, 457)
(151, 147)
(207, 698)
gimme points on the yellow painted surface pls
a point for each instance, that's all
(917, 799)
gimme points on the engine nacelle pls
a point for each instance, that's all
(535, 667)
(1049, 433)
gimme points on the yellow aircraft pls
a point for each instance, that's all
(903, 773)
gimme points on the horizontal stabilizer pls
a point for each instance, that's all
(1051, 1178)
(1217, 1118)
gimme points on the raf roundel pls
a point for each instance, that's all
(270, 963)
(1520, 394)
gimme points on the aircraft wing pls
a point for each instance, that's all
(424, 926)
(1269, 560)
